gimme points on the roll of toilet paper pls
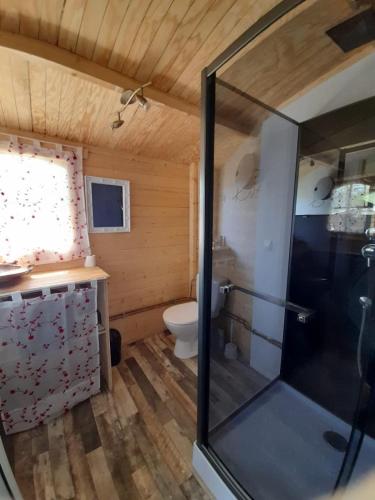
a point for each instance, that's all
(90, 261)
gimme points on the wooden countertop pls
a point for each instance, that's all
(36, 281)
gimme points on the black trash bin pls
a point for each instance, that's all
(115, 342)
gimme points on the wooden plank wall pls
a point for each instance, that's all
(149, 265)
(193, 225)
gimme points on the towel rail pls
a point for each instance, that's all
(303, 314)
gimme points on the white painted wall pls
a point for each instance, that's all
(256, 227)
(278, 152)
(235, 218)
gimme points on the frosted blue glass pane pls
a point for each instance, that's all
(107, 205)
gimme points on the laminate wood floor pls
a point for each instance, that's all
(232, 384)
(133, 443)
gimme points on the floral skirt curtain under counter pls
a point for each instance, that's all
(49, 356)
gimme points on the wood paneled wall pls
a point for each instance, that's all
(154, 263)
(193, 225)
(149, 265)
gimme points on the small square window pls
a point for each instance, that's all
(108, 205)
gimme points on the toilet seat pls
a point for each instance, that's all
(182, 314)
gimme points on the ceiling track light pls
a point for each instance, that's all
(130, 97)
(117, 123)
(142, 101)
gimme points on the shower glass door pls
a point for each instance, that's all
(288, 409)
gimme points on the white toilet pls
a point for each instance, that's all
(182, 321)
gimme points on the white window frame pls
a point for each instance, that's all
(125, 228)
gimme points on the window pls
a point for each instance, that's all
(42, 210)
(108, 205)
(351, 208)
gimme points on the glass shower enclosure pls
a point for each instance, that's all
(286, 398)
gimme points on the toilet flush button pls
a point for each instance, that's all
(268, 244)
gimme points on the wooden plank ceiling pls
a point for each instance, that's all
(34, 96)
(167, 42)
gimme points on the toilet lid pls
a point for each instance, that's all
(182, 314)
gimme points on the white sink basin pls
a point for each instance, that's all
(10, 272)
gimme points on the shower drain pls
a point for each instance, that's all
(335, 440)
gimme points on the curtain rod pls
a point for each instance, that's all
(56, 145)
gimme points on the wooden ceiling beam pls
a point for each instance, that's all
(88, 70)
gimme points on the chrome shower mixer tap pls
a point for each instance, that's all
(368, 251)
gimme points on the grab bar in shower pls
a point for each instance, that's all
(303, 314)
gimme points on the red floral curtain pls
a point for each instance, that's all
(49, 348)
(42, 209)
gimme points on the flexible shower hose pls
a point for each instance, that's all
(366, 304)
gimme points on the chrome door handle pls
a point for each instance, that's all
(303, 314)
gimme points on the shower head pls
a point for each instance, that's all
(365, 302)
